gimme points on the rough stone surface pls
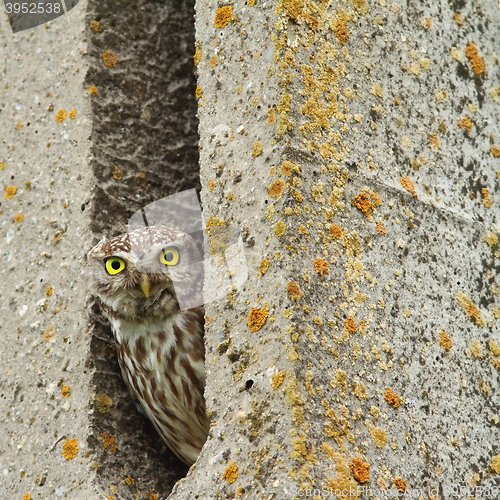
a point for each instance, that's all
(354, 145)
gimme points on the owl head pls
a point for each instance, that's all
(147, 272)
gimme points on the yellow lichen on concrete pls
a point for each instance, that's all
(445, 340)
(495, 464)
(476, 349)
(230, 473)
(223, 16)
(10, 192)
(264, 266)
(471, 309)
(70, 448)
(257, 318)
(257, 149)
(495, 150)
(277, 379)
(279, 228)
(60, 115)
(379, 436)
(293, 8)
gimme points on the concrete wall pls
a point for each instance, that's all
(355, 147)
(126, 70)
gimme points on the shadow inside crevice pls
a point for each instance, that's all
(144, 147)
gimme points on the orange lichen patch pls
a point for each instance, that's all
(495, 464)
(250, 3)
(231, 473)
(445, 340)
(65, 391)
(49, 333)
(108, 441)
(400, 484)
(276, 188)
(321, 266)
(342, 480)
(466, 123)
(198, 92)
(103, 402)
(129, 480)
(223, 16)
(264, 266)
(434, 140)
(27, 496)
(49, 291)
(96, 25)
(18, 218)
(458, 18)
(366, 201)
(351, 325)
(470, 308)
(340, 29)
(93, 90)
(61, 115)
(109, 59)
(70, 448)
(294, 290)
(407, 183)
(214, 60)
(257, 149)
(152, 496)
(277, 379)
(486, 201)
(279, 228)
(380, 228)
(360, 470)
(336, 230)
(495, 150)
(476, 61)
(293, 8)
(392, 398)
(257, 318)
(72, 114)
(379, 436)
(289, 168)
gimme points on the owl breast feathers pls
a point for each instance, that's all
(139, 278)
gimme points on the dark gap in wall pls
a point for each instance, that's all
(145, 147)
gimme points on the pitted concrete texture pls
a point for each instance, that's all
(46, 186)
(98, 118)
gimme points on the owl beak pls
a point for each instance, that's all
(145, 284)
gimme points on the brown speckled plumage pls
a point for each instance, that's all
(160, 348)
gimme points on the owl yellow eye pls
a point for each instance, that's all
(115, 265)
(170, 256)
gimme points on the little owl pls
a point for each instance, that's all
(140, 279)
